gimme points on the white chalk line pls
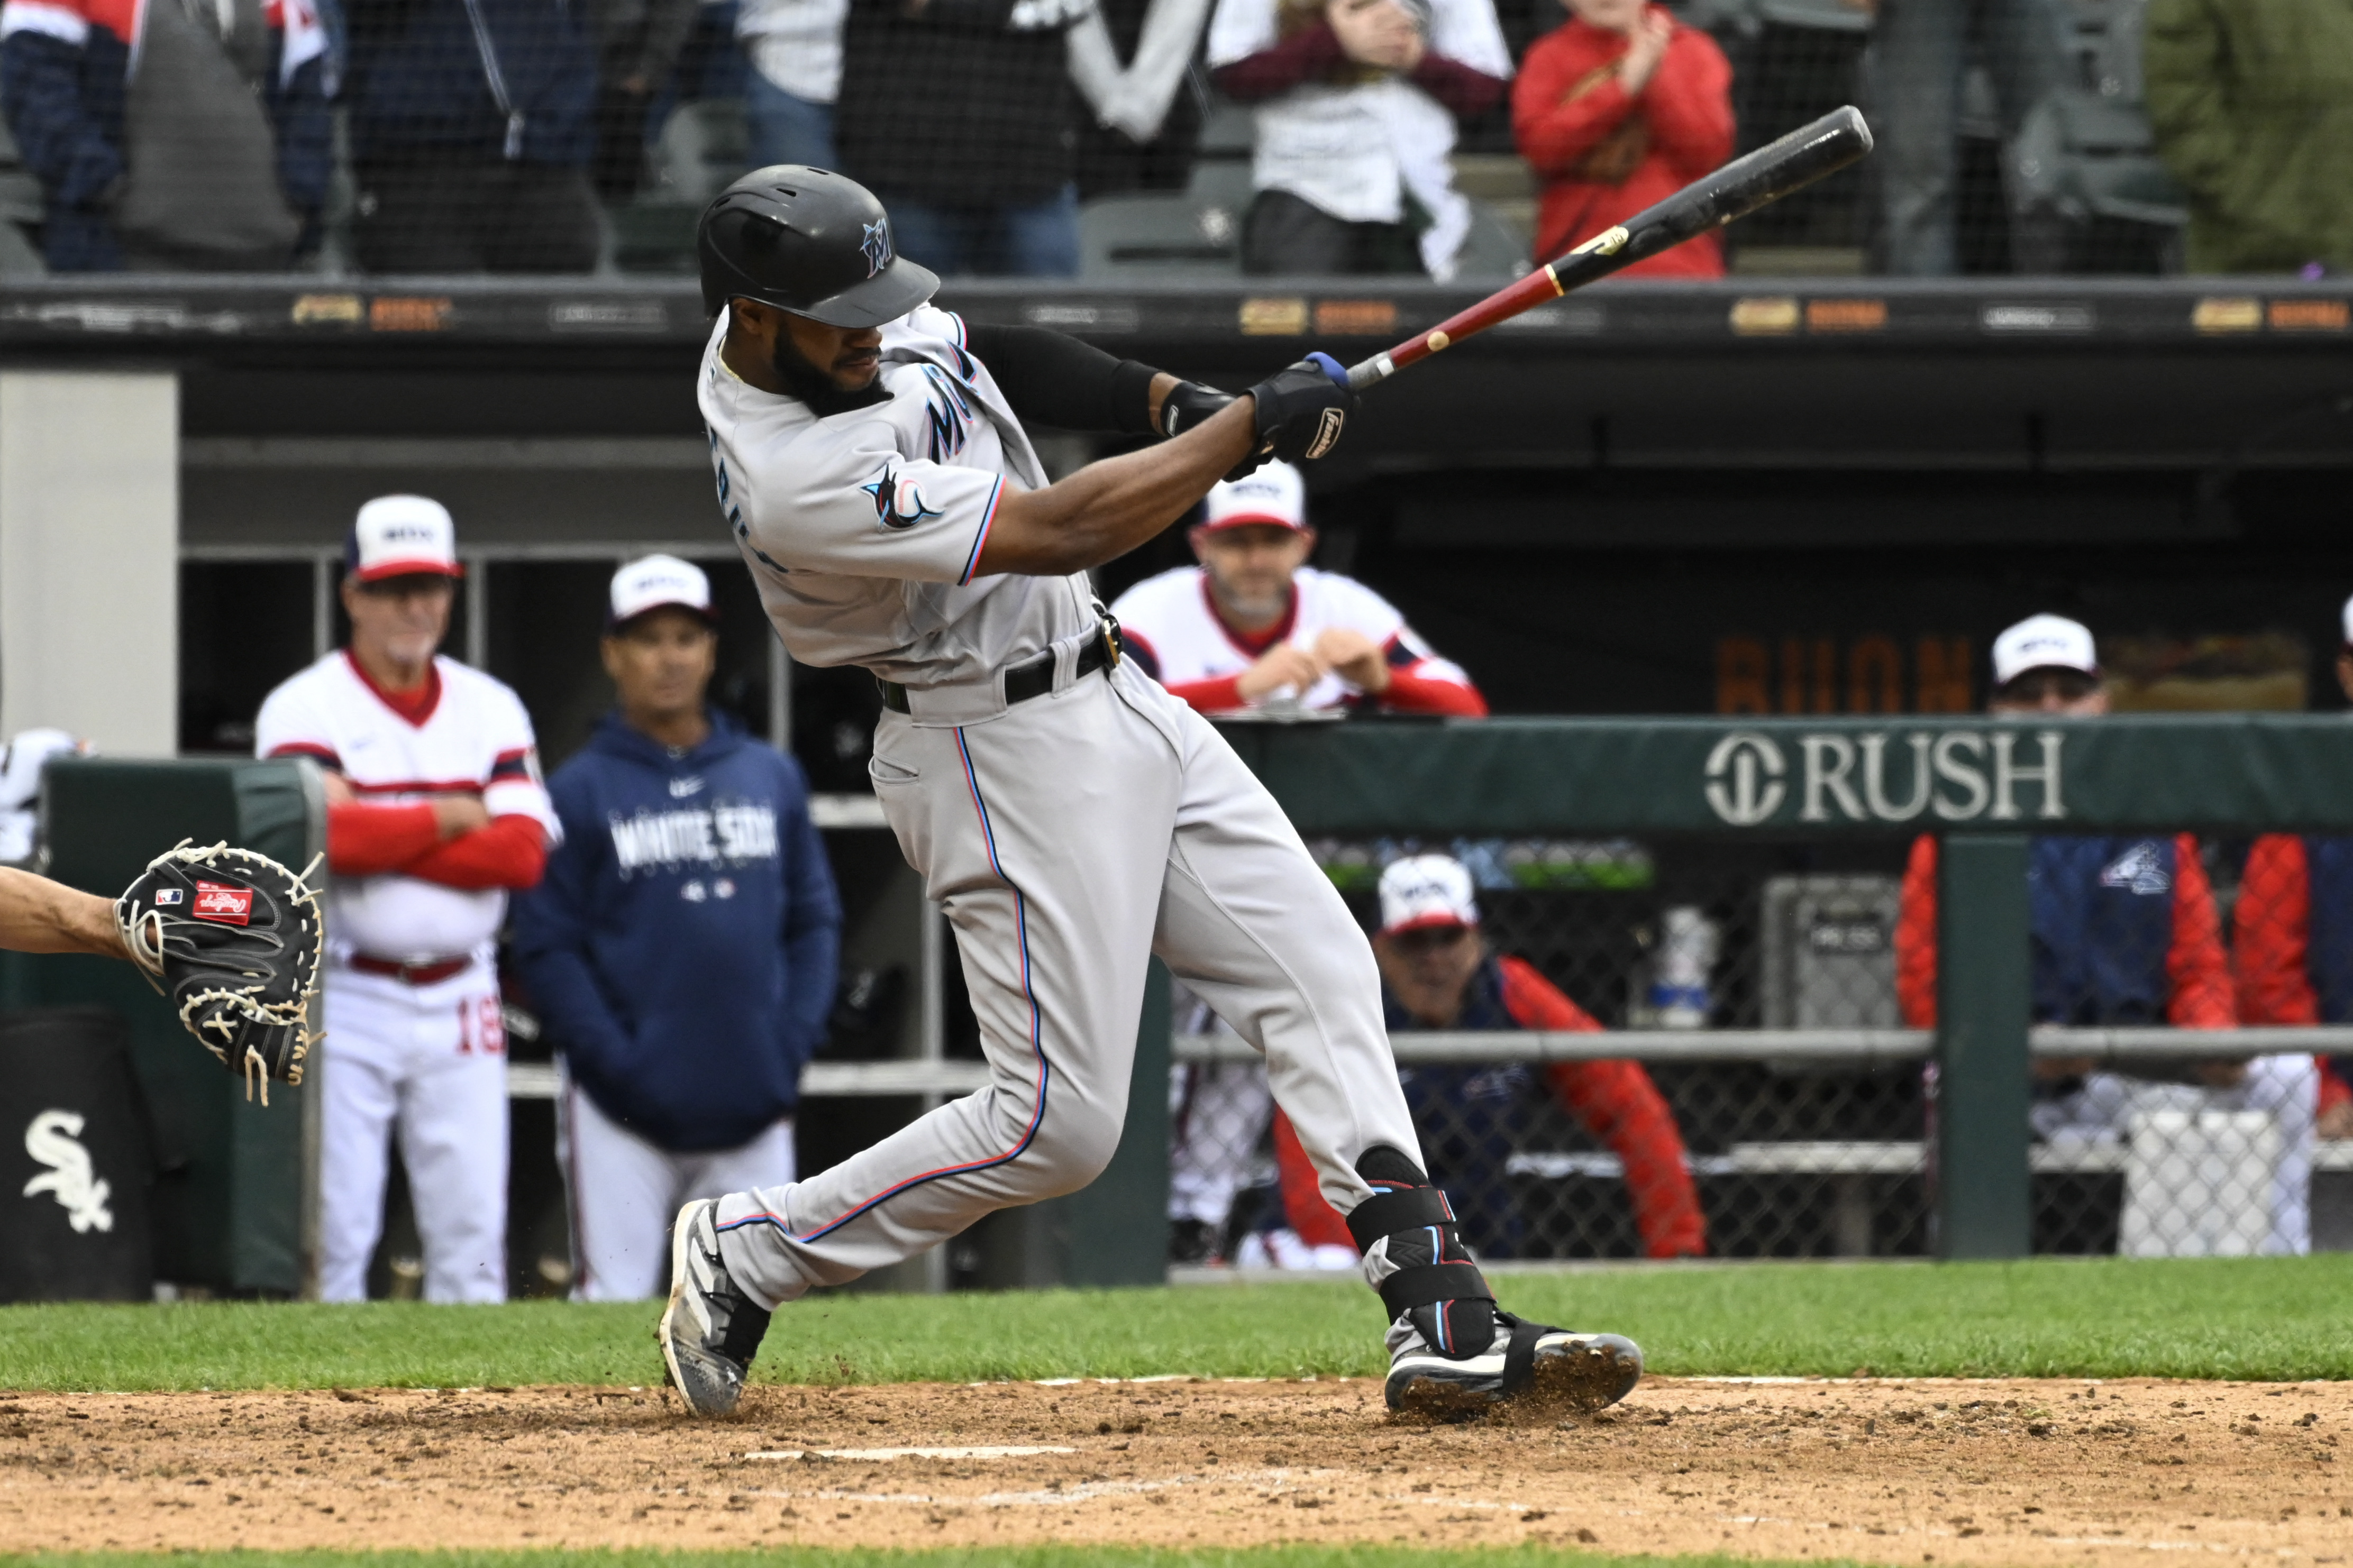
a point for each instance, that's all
(1038, 1497)
(985, 1451)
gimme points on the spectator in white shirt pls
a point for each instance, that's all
(795, 49)
(1357, 103)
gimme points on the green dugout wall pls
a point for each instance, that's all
(2251, 772)
(230, 1193)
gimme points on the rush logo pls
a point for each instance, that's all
(1883, 776)
(228, 905)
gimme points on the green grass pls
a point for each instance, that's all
(2268, 1319)
(1289, 1556)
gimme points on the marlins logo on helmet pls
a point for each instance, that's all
(876, 246)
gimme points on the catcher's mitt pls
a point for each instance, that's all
(235, 939)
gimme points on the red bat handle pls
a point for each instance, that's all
(1501, 306)
(1737, 189)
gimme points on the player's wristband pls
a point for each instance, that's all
(1187, 404)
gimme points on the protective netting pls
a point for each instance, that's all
(1768, 1008)
(1119, 140)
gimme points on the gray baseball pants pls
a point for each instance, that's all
(1070, 837)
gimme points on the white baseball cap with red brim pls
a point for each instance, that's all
(402, 536)
(1423, 891)
(1273, 497)
(659, 582)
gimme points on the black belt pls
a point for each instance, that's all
(1034, 676)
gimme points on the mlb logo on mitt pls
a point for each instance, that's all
(219, 901)
(166, 896)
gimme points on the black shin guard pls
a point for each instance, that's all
(1435, 1283)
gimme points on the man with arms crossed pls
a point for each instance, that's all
(1072, 818)
(434, 810)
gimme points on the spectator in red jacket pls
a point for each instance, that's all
(2291, 935)
(2125, 933)
(1254, 626)
(2107, 951)
(1438, 973)
(1620, 107)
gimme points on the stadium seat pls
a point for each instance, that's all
(1745, 17)
(702, 146)
(20, 207)
(1158, 237)
(1196, 233)
(1494, 251)
(1822, 15)
(2085, 159)
(2087, 156)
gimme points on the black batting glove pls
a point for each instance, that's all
(1190, 402)
(1302, 409)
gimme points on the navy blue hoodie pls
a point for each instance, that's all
(683, 943)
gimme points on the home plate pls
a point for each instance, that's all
(985, 1452)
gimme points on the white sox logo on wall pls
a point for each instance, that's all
(876, 246)
(53, 1139)
(1958, 776)
(898, 504)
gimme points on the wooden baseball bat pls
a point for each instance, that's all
(1740, 187)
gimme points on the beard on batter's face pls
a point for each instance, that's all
(852, 378)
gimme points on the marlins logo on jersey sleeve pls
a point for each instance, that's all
(864, 529)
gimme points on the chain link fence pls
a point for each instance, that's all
(451, 137)
(1777, 996)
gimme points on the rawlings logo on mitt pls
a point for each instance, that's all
(235, 939)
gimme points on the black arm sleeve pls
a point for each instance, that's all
(1059, 381)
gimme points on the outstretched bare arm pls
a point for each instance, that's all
(38, 915)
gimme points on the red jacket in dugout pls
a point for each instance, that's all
(1604, 153)
(1615, 1099)
(2125, 931)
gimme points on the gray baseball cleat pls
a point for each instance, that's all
(710, 1330)
(1546, 1369)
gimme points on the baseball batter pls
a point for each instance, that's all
(436, 810)
(1070, 815)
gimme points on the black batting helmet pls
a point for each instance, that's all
(808, 241)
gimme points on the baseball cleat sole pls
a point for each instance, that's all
(1571, 1373)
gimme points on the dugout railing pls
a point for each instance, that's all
(1813, 1121)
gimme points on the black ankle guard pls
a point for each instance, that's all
(1435, 1281)
(747, 1325)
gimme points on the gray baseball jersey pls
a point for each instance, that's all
(1069, 837)
(863, 529)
